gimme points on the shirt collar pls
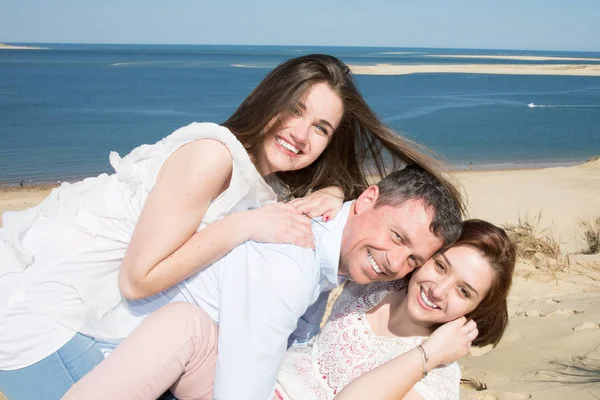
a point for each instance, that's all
(328, 241)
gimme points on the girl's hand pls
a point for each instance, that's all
(450, 341)
(278, 223)
(325, 202)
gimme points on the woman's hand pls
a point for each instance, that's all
(325, 202)
(450, 341)
(278, 223)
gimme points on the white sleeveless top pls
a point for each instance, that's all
(347, 348)
(59, 261)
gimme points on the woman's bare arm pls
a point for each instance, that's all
(165, 248)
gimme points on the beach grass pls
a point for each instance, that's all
(534, 245)
(591, 236)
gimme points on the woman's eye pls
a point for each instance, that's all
(297, 112)
(322, 129)
(440, 267)
(464, 292)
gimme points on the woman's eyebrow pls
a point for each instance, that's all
(323, 121)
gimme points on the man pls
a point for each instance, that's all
(417, 215)
(258, 291)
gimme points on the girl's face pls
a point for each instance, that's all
(448, 286)
(302, 139)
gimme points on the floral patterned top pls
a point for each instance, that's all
(347, 348)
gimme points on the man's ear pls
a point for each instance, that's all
(367, 199)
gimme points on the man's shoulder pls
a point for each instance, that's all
(285, 263)
(282, 251)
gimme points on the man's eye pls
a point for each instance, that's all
(413, 261)
(397, 236)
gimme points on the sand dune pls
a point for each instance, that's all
(502, 69)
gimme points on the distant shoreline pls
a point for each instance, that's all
(495, 69)
(11, 47)
(509, 57)
(462, 167)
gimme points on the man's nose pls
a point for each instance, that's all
(400, 264)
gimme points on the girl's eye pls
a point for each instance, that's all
(440, 267)
(297, 112)
(464, 292)
(322, 129)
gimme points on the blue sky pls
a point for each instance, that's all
(506, 24)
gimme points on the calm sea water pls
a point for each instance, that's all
(63, 109)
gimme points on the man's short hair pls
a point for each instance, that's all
(413, 182)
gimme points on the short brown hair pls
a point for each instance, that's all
(416, 183)
(491, 315)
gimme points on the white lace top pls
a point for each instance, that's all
(347, 348)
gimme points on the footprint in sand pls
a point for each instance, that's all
(552, 301)
(501, 396)
(545, 314)
(529, 313)
(586, 325)
(473, 383)
(560, 312)
(513, 396)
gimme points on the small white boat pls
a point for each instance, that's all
(530, 105)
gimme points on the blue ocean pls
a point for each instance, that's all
(64, 108)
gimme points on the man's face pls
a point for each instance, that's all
(386, 242)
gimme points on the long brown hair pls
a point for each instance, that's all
(491, 315)
(361, 149)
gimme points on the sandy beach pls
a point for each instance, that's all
(552, 347)
(503, 69)
(551, 350)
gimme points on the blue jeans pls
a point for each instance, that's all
(50, 378)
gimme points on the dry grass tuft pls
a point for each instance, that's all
(591, 235)
(537, 246)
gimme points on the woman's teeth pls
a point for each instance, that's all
(287, 146)
(373, 263)
(427, 301)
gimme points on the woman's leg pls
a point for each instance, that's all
(51, 377)
(174, 347)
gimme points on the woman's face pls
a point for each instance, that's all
(302, 139)
(448, 286)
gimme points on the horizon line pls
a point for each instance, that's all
(299, 45)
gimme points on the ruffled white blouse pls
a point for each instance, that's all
(59, 260)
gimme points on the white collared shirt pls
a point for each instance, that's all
(257, 293)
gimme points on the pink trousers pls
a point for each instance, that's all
(173, 348)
